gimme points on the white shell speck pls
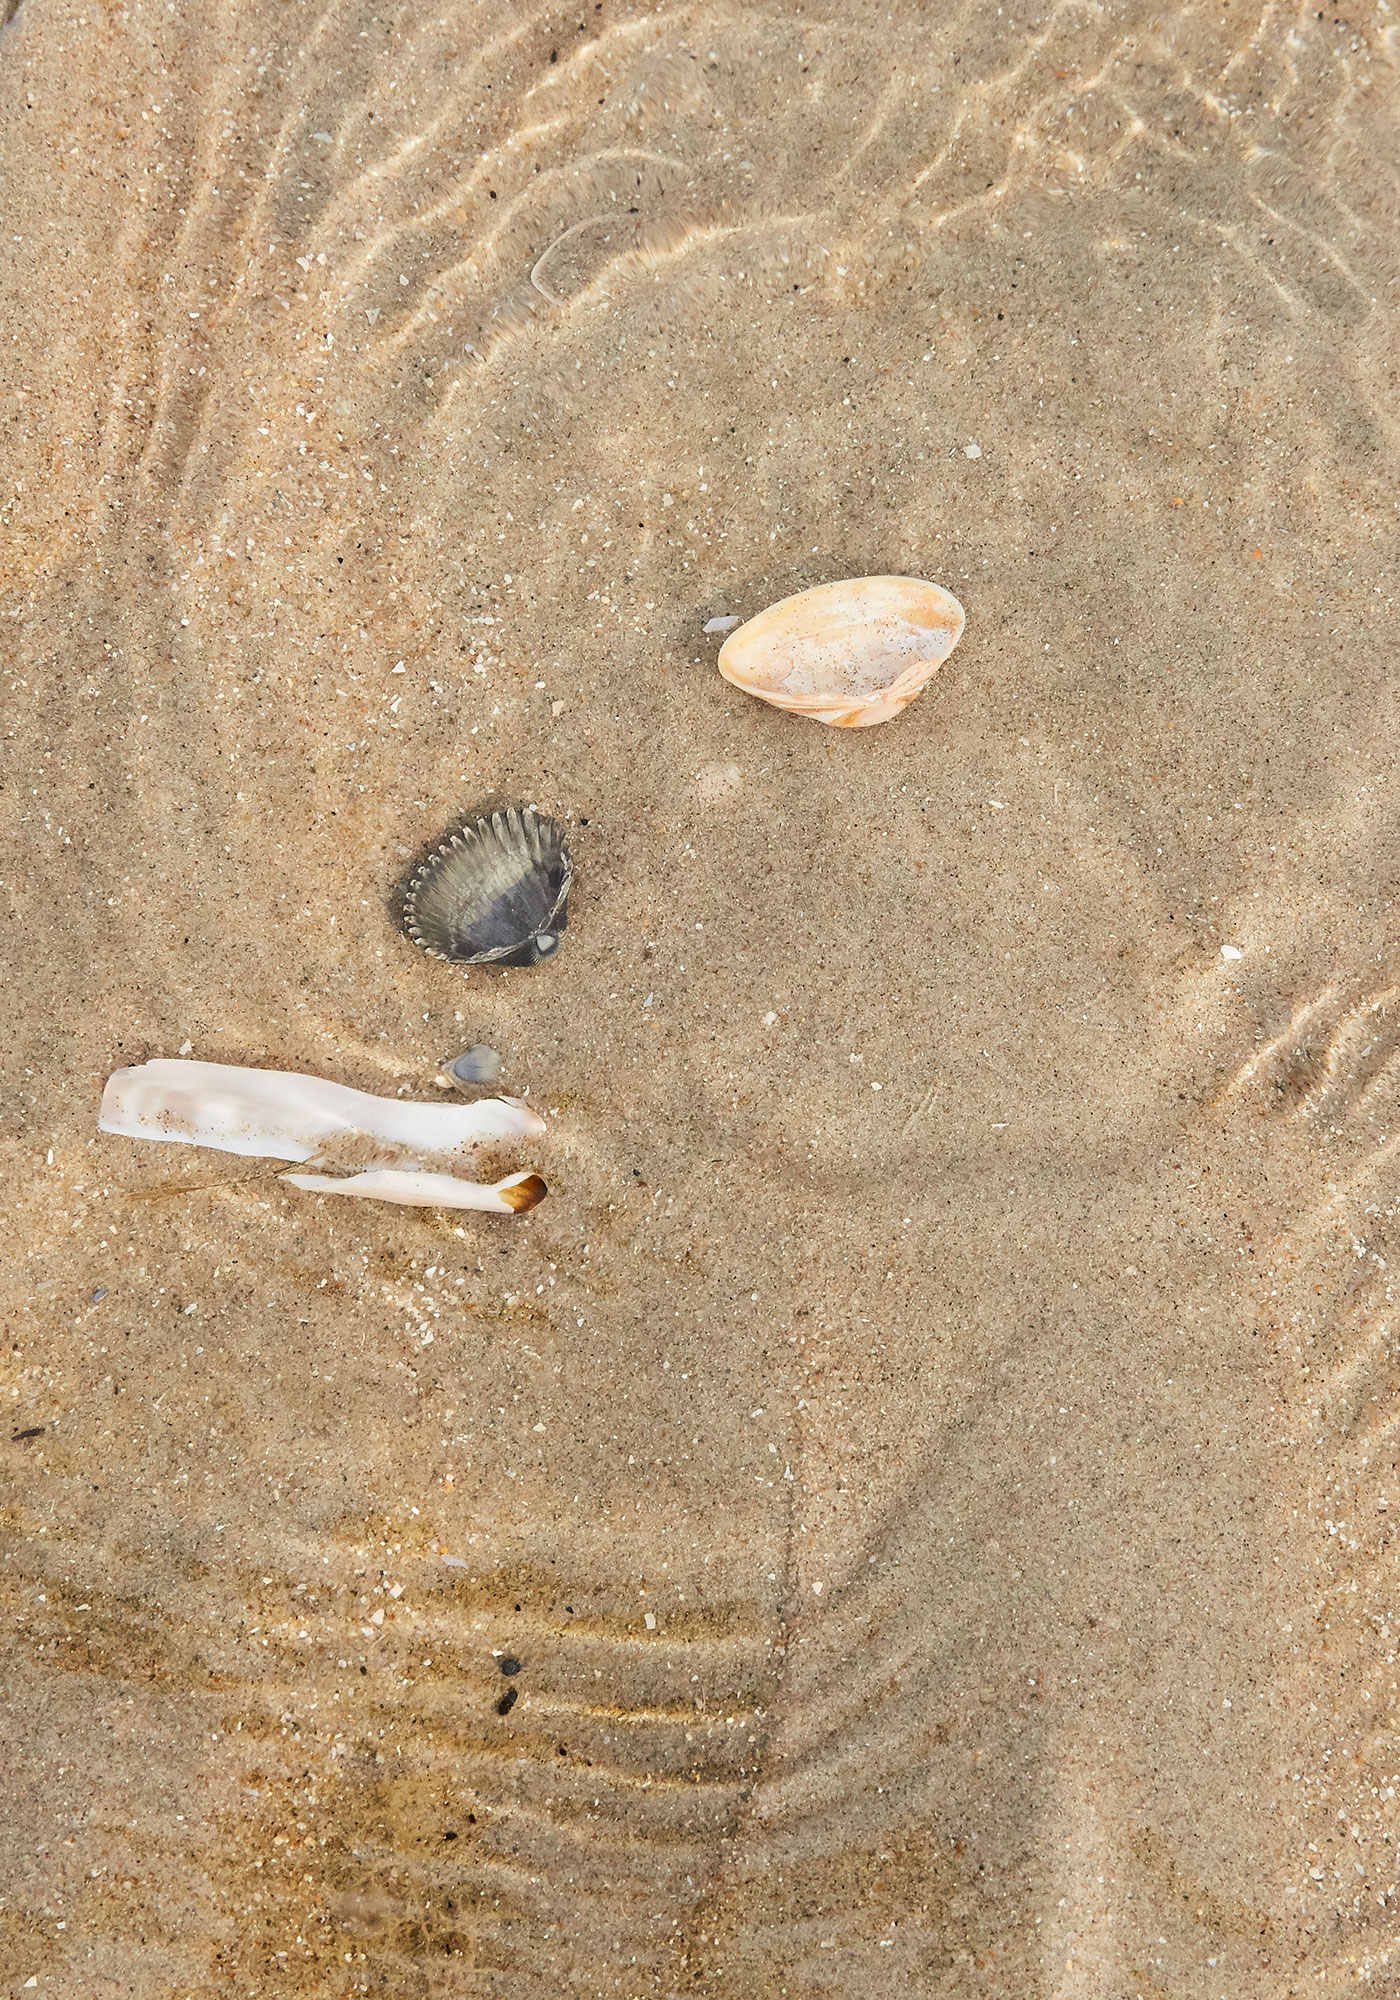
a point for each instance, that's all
(851, 654)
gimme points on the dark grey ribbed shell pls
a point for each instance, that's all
(494, 893)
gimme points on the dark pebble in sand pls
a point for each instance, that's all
(507, 1701)
(510, 1666)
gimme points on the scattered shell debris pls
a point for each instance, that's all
(850, 654)
(494, 892)
(722, 624)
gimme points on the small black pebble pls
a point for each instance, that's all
(364, 1670)
(510, 1666)
(507, 1701)
(449, 1836)
(37, 1432)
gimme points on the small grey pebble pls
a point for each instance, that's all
(478, 1065)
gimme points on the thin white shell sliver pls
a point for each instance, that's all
(281, 1115)
(417, 1190)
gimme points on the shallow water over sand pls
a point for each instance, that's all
(932, 1454)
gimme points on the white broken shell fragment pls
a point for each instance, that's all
(412, 1189)
(280, 1115)
(851, 654)
(722, 624)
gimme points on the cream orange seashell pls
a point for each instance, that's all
(851, 654)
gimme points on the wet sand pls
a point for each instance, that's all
(933, 1452)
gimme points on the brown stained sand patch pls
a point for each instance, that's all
(441, 1831)
(920, 1909)
(1227, 1924)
